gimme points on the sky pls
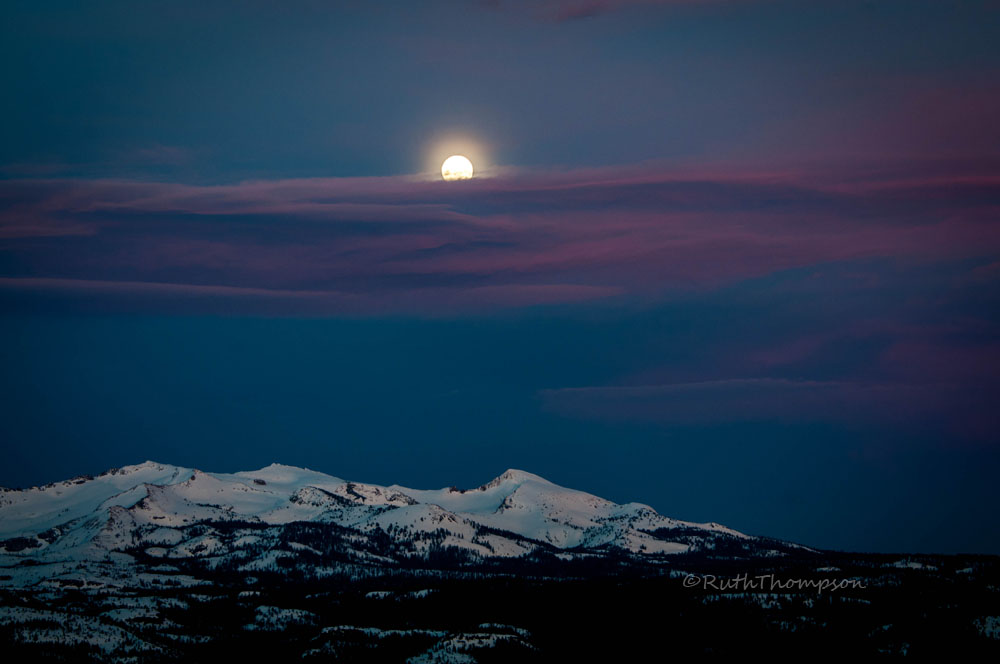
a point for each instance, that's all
(735, 259)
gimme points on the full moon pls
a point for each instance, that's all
(456, 167)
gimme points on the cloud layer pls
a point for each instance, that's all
(417, 245)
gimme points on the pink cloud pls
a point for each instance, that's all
(744, 399)
(238, 299)
(517, 239)
(571, 10)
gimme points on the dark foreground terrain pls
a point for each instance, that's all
(926, 606)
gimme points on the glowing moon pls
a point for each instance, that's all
(456, 167)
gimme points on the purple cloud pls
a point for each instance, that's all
(737, 399)
(571, 10)
(954, 407)
(517, 239)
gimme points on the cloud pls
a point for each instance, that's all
(572, 10)
(151, 297)
(517, 239)
(770, 399)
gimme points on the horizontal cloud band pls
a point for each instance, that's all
(403, 244)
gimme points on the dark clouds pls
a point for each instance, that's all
(571, 10)
(412, 245)
(957, 411)
(859, 295)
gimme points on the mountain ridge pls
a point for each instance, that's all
(153, 513)
(180, 564)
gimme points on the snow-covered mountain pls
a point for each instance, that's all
(280, 515)
(160, 563)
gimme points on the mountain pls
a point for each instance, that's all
(250, 520)
(159, 563)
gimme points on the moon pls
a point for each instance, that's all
(456, 167)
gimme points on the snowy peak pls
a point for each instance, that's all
(37, 509)
(369, 494)
(282, 474)
(145, 466)
(513, 477)
(285, 478)
(171, 511)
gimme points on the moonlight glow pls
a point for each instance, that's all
(456, 167)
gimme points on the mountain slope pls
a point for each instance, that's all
(282, 515)
(161, 563)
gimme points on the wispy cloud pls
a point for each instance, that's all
(572, 10)
(956, 406)
(519, 238)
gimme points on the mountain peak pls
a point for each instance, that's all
(511, 515)
(283, 474)
(513, 476)
(145, 465)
